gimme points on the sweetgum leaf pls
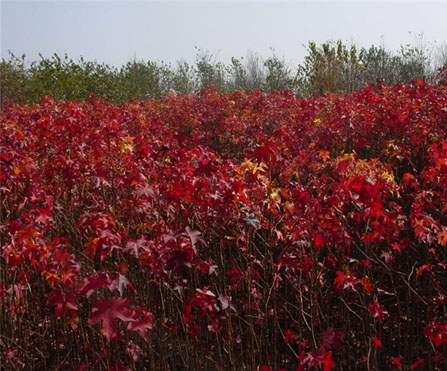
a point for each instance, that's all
(194, 236)
(91, 284)
(328, 362)
(108, 312)
(142, 325)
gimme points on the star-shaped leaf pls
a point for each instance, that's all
(108, 312)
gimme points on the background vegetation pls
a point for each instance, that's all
(329, 67)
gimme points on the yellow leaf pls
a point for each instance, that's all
(16, 170)
(275, 195)
(126, 145)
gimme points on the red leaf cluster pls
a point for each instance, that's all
(261, 230)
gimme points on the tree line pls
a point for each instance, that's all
(331, 66)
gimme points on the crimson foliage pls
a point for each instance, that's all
(236, 231)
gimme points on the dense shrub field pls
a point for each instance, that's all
(226, 231)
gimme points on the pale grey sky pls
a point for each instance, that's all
(116, 31)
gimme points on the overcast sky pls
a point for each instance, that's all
(115, 31)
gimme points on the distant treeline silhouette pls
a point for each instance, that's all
(328, 67)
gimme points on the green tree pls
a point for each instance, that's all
(13, 80)
(210, 72)
(414, 63)
(145, 80)
(63, 78)
(184, 79)
(379, 64)
(330, 67)
(238, 79)
(278, 75)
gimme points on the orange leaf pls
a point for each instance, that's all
(442, 238)
(92, 246)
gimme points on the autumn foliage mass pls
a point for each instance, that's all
(226, 231)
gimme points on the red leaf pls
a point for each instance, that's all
(108, 312)
(288, 337)
(348, 281)
(397, 363)
(396, 247)
(63, 302)
(417, 364)
(422, 268)
(194, 236)
(44, 216)
(12, 354)
(367, 286)
(91, 284)
(263, 153)
(328, 362)
(407, 178)
(142, 324)
(377, 311)
(376, 341)
(340, 279)
(206, 168)
(318, 240)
